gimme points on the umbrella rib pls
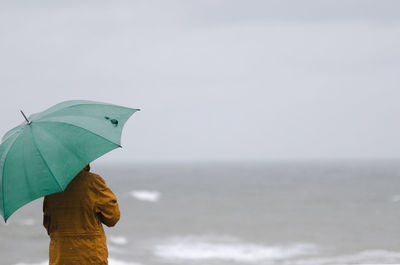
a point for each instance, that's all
(80, 128)
(13, 132)
(44, 161)
(2, 173)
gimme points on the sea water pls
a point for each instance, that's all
(284, 213)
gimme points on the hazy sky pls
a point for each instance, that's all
(216, 80)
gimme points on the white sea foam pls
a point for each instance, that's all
(200, 248)
(27, 222)
(364, 257)
(115, 250)
(111, 261)
(395, 198)
(41, 263)
(118, 240)
(146, 195)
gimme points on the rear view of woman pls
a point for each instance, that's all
(73, 220)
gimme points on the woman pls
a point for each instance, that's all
(73, 220)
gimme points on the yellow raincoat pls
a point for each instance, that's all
(73, 219)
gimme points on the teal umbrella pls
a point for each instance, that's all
(42, 155)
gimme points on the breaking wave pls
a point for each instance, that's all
(111, 261)
(228, 249)
(146, 195)
(364, 257)
(395, 198)
(118, 240)
(27, 222)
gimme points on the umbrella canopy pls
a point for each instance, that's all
(42, 155)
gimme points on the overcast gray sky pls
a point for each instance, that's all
(216, 80)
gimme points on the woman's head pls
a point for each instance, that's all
(87, 168)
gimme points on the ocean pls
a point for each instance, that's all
(283, 213)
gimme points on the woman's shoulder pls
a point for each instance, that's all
(94, 180)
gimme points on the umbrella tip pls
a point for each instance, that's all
(23, 114)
